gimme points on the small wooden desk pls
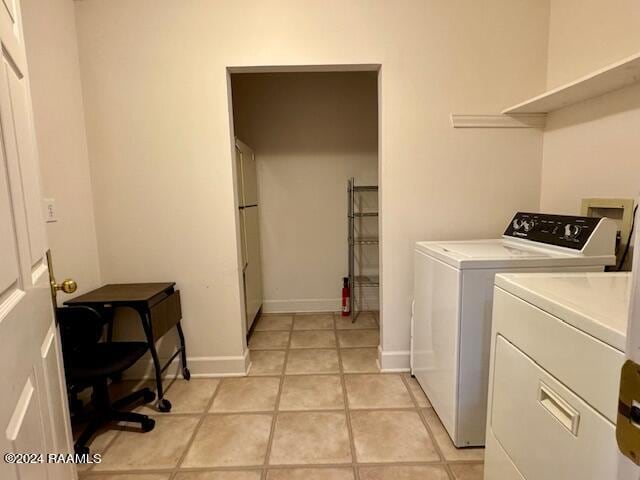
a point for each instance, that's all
(157, 304)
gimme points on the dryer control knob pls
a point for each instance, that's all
(517, 224)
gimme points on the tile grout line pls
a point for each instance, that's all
(106, 448)
(293, 466)
(276, 407)
(305, 410)
(280, 349)
(347, 413)
(449, 471)
(432, 437)
(203, 417)
(113, 440)
(169, 470)
(265, 467)
(446, 461)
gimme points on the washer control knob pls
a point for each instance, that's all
(528, 225)
(572, 231)
(517, 224)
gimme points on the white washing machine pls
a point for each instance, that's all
(453, 292)
(557, 349)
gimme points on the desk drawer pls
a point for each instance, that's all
(165, 314)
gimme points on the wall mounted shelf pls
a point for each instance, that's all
(498, 121)
(605, 80)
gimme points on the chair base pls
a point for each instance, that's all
(108, 412)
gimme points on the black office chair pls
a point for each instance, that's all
(89, 362)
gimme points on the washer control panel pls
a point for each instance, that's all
(560, 230)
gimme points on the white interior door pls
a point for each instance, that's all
(33, 408)
(249, 230)
(628, 470)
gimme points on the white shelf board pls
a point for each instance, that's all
(608, 79)
(515, 120)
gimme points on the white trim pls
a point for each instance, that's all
(302, 306)
(48, 340)
(38, 270)
(633, 327)
(247, 361)
(9, 300)
(22, 405)
(370, 302)
(627, 470)
(338, 67)
(529, 120)
(200, 367)
(394, 361)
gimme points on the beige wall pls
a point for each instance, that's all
(585, 35)
(310, 132)
(160, 142)
(52, 53)
(590, 149)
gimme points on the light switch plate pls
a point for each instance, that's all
(50, 212)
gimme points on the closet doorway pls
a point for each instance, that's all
(310, 133)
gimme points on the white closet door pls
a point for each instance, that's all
(243, 240)
(253, 272)
(33, 408)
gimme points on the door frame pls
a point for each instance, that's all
(626, 469)
(303, 68)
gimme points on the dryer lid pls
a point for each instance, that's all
(490, 249)
(596, 303)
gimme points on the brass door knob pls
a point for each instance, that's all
(67, 286)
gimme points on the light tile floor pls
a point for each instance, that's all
(314, 407)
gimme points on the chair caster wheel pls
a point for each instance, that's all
(186, 374)
(148, 424)
(164, 405)
(148, 396)
(81, 449)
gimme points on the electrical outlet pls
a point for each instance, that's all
(50, 212)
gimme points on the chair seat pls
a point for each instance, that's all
(104, 360)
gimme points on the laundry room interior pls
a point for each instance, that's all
(324, 240)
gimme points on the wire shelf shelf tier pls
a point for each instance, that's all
(358, 281)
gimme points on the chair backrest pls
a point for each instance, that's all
(80, 327)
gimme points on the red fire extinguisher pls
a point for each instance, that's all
(346, 300)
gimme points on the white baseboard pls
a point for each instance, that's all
(304, 305)
(369, 302)
(390, 361)
(200, 367)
